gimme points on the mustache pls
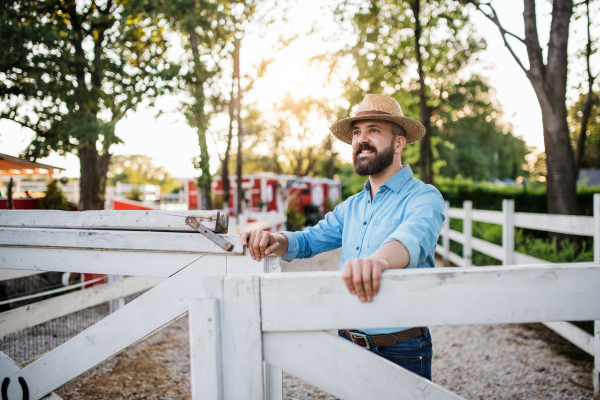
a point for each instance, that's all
(364, 146)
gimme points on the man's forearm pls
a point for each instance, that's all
(394, 253)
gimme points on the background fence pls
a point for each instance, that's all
(509, 219)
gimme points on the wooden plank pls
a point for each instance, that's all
(573, 334)
(440, 296)
(468, 232)
(508, 232)
(241, 338)
(273, 382)
(205, 349)
(46, 310)
(95, 261)
(9, 367)
(491, 217)
(120, 329)
(457, 213)
(491, 249)
(456, 259)
(524, 259)
(456, 236)
(113, 220)
(244, 264)
(596, 377)
(7, 274)
(569, 224)
(345, 370)
(167, 242)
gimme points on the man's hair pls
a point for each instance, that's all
(397, 130)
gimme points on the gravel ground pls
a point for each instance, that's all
(476, 362)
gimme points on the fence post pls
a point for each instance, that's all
(467, 231)
(446, 233)
(117, 303)
(596, 378)
(508, 232)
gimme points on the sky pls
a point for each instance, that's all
(172, 143)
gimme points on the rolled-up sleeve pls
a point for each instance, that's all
(420, 231)
(325, 236)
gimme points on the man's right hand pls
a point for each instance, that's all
(261, 244)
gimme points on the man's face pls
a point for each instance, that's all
(373, 146)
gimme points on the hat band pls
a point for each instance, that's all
(360, 114)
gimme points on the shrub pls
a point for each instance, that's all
(295, 220)
(54, 199)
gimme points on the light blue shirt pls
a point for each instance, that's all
(404, 209)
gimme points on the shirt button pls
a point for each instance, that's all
(364, 223)
(357, 248)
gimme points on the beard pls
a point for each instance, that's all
(374, 166)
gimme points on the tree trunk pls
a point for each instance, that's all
(9, 194)
(425, 154)
(550, 84)
(205, 179)
(225, 174)
(91, 198)
(240, 136)
(587, 107)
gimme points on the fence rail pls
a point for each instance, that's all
(509, 219)
(156, 249)
(289, 312)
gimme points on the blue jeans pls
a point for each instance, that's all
(413, 354)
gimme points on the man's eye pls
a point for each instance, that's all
(355, 132)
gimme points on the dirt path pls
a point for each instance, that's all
(476, 362)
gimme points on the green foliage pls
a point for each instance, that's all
(71, 71)
(591, 154)
(283, 140)
(468, 136)
(531, 197)
(295, 220)
(54, 198)
(549, 251)
(135, 194)
(139, 169)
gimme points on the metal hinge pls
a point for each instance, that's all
(217, 239)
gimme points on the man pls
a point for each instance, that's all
(394, 222)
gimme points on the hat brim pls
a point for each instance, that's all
(342, 129)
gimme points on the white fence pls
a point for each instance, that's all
(246, 329)
(509, 219)
(156, 249)
(240, 321)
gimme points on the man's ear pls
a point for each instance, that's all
(400, 143)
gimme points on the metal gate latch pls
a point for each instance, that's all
(217, 239)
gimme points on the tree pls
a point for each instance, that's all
(548, 77)
(475, 142)
(139, 169)
(283, 140)
(71, 70)
(394, 38)
(206, 28)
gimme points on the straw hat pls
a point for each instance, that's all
(378, 106)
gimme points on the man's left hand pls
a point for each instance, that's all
(363, 276)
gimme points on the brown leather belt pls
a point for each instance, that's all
(388, 339)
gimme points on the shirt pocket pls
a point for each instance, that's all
(380, 231)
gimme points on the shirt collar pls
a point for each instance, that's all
(396, 182)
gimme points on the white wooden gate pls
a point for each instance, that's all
(136, 243)
(240, 321)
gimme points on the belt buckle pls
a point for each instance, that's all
(359, 339)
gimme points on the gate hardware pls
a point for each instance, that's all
(4, 389)
(217, 239)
